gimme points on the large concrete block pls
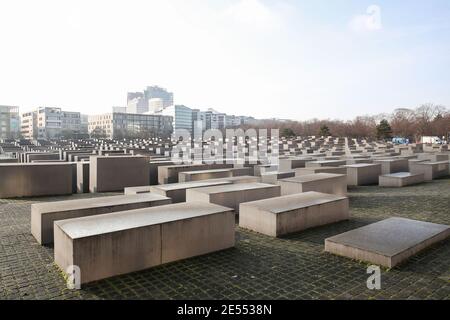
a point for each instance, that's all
(389, 166)
(177, 191)
(35, 179)
(292, 213)
(83, 177)
(114, 173)
(401, 179)
(388, 242)
(108, 245)
(234, 194)
(431, 170)
(44, 214)
(319, 182)
(362, 174)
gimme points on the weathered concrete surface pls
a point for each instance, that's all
(114, 173)
(362, 174)
(44, 214)
(401, 179)
(35, 179)
(388, 242)
(123, 242)
(234, 194)
(292, 213)
(319, 182)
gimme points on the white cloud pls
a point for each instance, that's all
(371, 21)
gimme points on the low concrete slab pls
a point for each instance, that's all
(273, 177)
(388, 242)
(169, 174)
(306, 171)
(401, 179)
(108, 245)
(362, 174)
(44, 214)
(293, 213)
(325, 163)
(187, 176)
(177, 191)
(319, 182)
(233, 194)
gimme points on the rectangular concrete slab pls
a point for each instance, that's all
(234, 194)
(362, 174)
(177, 191)
(187, 176)
(388, 242)
(431, 170)
(293, 213)
(401, 179)
(319, 182)
(103, 246)
(43, 215)
(36, 179)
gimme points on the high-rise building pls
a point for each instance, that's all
(137, 105)
(156, 92)
(9, 122)
(151, 99)
(127, 125)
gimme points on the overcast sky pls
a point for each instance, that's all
(264, 58)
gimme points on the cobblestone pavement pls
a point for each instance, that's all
(259, 267)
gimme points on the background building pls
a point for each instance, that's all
(70, 123)
(127, 125)
(9, 122)
(50, 123)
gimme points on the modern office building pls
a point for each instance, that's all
(9, 122)
(50, 123)
(181, 115)
(121, 125)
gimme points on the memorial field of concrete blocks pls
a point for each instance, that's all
(95, 213)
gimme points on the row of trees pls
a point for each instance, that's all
(426, 120)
